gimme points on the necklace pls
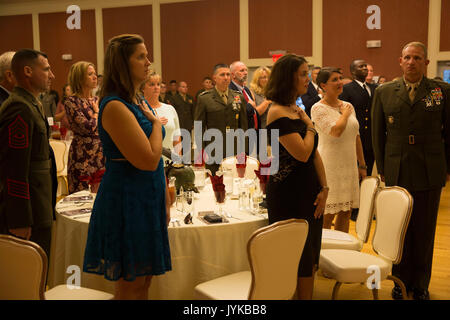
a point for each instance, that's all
(339, 103)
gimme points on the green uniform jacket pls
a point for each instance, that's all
(27, 170)
(212, 111)
(411, 140)
(185, 111)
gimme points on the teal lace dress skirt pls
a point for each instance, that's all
(127, 235)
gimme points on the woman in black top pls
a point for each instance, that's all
(299, 188)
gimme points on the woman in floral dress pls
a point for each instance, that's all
(85, 155)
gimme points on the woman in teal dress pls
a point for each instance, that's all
(127, 239)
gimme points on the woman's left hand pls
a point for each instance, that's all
(320, 202)
(362, 173)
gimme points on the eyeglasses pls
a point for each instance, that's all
(188, 219)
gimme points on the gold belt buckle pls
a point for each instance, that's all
(411, 139)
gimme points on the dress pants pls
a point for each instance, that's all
(415, 267)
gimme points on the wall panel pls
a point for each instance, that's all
(445, 26)
(136, 20)
(17, 25)
(197, 35)
(280, 25)
(57, 39)
(345, 32)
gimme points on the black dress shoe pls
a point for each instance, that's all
(397, 293)
(421, 294)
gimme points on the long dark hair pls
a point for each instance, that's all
(282, 85)
(116, 73)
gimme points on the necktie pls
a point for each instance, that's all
(365, 88)
(224, 98)
(412, 92)
(255, 118)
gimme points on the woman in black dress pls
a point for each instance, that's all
(299, 188)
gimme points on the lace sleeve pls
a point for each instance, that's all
(323, 118)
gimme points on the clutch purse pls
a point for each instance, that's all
(213, 218)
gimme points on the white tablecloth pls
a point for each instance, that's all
(199, 252)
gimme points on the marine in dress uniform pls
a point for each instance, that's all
(411, 141)
(184, 105)
(222, 113)
(27, 164)
(28, 169)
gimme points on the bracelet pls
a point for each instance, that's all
(325, 188)
(362, 167)
(312, 130)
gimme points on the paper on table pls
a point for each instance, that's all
(76, 212)
(333, 235)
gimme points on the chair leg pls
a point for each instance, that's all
(375, 294)
(400, 283)
(336, 290)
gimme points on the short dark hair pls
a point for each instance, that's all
(317, 67)
(325, 74)
(172, 81)
(282, 85)
(24, 57)
(353, 65)
(220, 65)
(207, 78)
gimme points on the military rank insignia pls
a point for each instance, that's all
(437, 95)
(391, 119)
(18, 134)
(434, 97)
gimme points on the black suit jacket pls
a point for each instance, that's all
(310, 98)
(3, 95)
(362, 102)
(250, 110)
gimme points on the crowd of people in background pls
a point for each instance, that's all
(323, 122)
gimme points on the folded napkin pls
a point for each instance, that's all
(263, 174)
(94, 178)
(217, 182)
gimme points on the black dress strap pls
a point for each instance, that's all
(287, 125)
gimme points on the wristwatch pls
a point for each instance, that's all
(362, 167)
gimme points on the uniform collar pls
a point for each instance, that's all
(222, 92)
(25, 93)
(415, 84)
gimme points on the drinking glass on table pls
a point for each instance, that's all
(188, 202)
(220, 200)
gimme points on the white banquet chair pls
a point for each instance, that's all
(394, 206)
(332, 239)
(23, 271)
(274, 253)
(59, 149)
(252, 165)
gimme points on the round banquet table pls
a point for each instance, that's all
(199, 251)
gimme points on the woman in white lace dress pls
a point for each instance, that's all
(340, 148)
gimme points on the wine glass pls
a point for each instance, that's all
(188, 204)
(220, 199)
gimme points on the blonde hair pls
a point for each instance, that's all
(153, 76)
(254, 85)
(77, 76)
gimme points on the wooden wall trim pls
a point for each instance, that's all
(434, 35)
